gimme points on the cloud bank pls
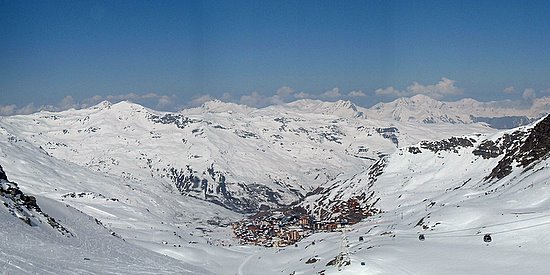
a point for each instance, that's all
(445, 88)
(442, 89)
(158, 101)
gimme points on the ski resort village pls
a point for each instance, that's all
(277, 137)
(315, 187)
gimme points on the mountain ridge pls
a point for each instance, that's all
(141, 173)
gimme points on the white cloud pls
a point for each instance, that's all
(254, 99)
(445, 87)
(227, 97)
(390, 91)
(281, 96)
(162, 101)
(7, 110)
(335, 92)
(67, 103)
(509, 90)
(200, 99)
(149, 95)
(284, 91)
(129, 97)
(302, 95)
(87, 102)
(357, 93)
(529, 94)
(165, 102)
(29, 109)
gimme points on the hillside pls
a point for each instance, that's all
(128, 184)
(237, 157)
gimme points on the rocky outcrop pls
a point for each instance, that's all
(451, 144)
(24, 206)
(211, 185)
(537, 144)
(524, 148)
(3, 174)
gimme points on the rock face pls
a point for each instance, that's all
(450, 144)
(24, 206)
(524, 148)
(537, 145)
(3, 174)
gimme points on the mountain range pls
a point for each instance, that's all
(159, 191)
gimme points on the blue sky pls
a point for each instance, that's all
(176, 53)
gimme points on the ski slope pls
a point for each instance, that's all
(443, 190)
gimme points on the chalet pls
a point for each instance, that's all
(293, 235)
(304, 221)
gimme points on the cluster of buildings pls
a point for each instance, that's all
(283, 228)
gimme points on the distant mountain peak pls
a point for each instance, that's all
(421, 98)
(343, 108)
(105, 104)
(126, 104)
(218, 106)
(346, 104)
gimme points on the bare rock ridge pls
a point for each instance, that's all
(535, 147)
(3, 174)
(25, 207)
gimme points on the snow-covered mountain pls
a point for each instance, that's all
(142, 191)
(483, 162)
(424, 109)
(235, 156)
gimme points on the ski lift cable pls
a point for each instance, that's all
(473, 228)
(473, 235)
(485, 226)
(520, 228)
(441, 235)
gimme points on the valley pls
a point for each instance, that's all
(300, 188)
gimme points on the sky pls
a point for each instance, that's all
(174, 54)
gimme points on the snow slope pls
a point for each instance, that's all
(464, 182)
(147, 217)
(446, 192)
(235, 156)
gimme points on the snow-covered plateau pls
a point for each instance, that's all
(415, 186)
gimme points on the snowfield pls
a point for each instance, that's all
(147, 192)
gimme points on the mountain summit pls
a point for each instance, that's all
(226, 183)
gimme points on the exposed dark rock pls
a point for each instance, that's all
(537, 145)
(488, 149)
(179, 120)
(523, 150)
(451, 144)
(389, 133)
(246, 134)
(414, 150)
(21, 205)
(3, 174)
(311, 260)
(212, 185)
